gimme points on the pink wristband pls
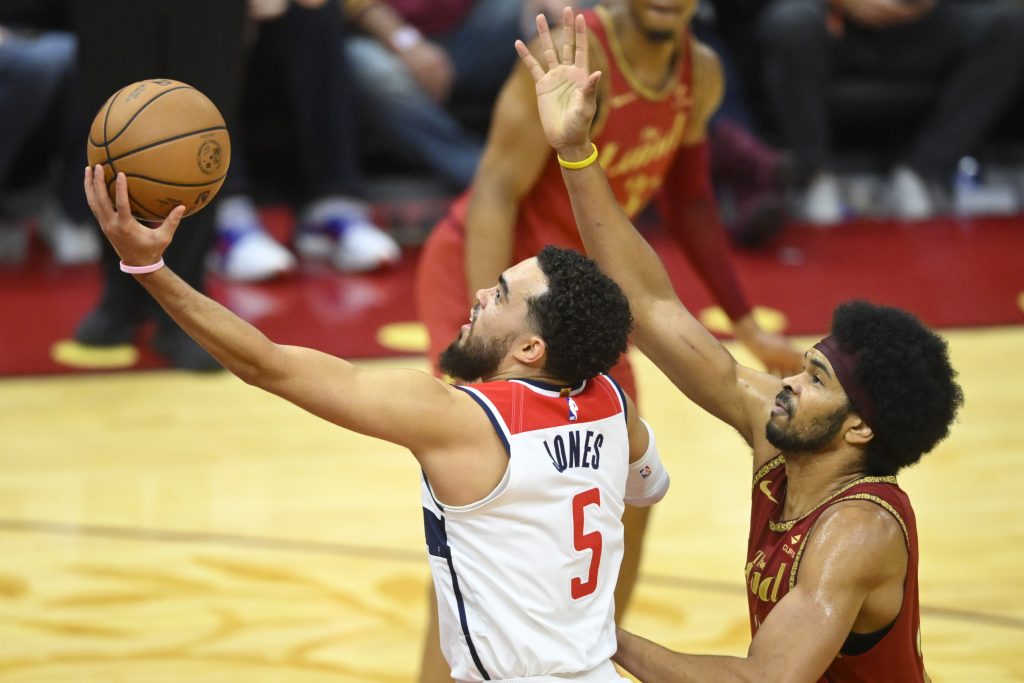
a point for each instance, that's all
(139, 270)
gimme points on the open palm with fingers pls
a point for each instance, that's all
(566, 89)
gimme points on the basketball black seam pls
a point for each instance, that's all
(106, 143)
(169, 184)
(151, 145)
(143, 108)
(143, 207)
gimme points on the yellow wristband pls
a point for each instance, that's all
(576, 165)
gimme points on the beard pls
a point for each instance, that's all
(473, 358)
(653, 35)
(810, 439)
(656, 36)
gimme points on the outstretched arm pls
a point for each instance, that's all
(674, 340)
(403, 406)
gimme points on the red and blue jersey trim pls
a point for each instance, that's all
(520, 406)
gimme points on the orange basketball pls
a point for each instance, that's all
(170, 141)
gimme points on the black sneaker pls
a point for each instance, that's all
(107, 326)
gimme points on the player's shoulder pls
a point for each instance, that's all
(709, 79)
(704, 55)
(861, 527)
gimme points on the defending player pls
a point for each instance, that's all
(832, 552)
(525, 475)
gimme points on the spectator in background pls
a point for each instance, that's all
(417, 57)
(36, 68)
(975, 48)
(297, 45)
(123, 41)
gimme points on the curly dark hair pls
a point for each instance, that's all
(904, 369)
(584, 317)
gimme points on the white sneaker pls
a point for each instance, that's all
(70, 243)
(251, 256)
(245, 252)
(340, 230)
(911, 200)
(823, 204)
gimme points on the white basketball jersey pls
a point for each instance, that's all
(525, 578)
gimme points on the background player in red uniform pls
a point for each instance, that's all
(661, 89)
(872, 398)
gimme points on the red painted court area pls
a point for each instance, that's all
(951, 273)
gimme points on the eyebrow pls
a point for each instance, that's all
(503, 283)
(815, 361)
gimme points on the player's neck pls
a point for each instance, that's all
(519, 371)
(811, 478)
(651, 60)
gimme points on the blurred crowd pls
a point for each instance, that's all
(883, 108)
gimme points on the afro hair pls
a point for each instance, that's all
(904, 368)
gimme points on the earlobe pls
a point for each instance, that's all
(859, 433)
(531, 351)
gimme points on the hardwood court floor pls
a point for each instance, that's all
(159, 526)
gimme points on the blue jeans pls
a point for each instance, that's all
(411, 124)
(31, 72)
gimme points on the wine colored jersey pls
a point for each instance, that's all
(525, 578)
(639, 137)
(773, 565)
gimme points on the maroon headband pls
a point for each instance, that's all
(844, 363)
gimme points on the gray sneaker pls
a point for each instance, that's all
(909, 195)
(823, 203)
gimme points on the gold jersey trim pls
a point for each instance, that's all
(796, 561)
(766, 468)
(655, 95)
(786, 526)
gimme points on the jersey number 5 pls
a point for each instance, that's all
(582, 541)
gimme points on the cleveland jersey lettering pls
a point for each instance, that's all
(773, 565)
(638, 137)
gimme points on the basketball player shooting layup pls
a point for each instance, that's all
(832, 552)
(525, 474)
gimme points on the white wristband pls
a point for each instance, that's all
(405, 39)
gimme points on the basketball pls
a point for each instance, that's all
(169, 140)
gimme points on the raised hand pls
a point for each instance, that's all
(777, 353)
(136, 244)
(566, 90)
